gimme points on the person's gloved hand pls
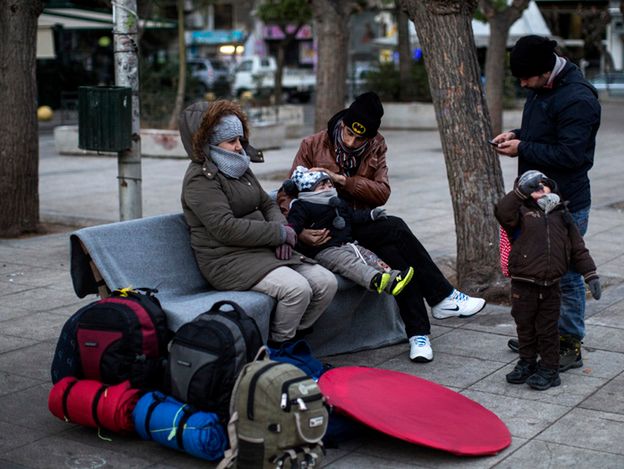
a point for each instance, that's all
(291, 236)
(378, 213)
(283, 252)
(595, 288)
(530, 181)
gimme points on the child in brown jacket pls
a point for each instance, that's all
(545, 241)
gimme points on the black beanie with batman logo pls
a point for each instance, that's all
(363, 117)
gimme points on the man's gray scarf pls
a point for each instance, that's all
(230, 163)
(559, 64)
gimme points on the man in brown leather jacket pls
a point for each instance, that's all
(353, 154)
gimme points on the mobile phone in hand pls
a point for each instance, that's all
(491, 142)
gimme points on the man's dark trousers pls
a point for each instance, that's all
(392, 240)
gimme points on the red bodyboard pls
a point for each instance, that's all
(415, 410)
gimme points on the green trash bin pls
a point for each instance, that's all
(104, 118)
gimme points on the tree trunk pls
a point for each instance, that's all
(181, 91)
(408, 87)
(279, 72)
(474, 174)
(495, 63)
(19, 147)
(495, 71)
(331, 18)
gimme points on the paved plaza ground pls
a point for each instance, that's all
(578, 424)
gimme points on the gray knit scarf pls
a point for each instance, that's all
(548, 202)
(230, 163)
(328, 197)
(320, 198)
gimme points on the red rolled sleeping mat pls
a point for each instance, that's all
(93, 404)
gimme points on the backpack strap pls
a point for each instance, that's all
(150, 410)
(94, 404)
(188, 412)
(65, 397)
(230, 454)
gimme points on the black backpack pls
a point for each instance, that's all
(114, 339)
(206, 355)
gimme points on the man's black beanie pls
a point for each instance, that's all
(532, 56)
(363, 117)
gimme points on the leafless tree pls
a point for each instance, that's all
(19, 141)
(475, 178)
(500, 17)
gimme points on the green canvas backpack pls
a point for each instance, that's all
(278, 418)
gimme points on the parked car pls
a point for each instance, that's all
(212, 74)
(612, 82)
(357, 78)
(257, 74)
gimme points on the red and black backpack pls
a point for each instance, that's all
(123, 337)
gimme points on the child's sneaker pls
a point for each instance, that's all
(400, 281)
(420, 349)
(457, 304)
(521, 372)
(380, 282)
(544, 378)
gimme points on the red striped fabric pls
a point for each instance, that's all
(505, 249)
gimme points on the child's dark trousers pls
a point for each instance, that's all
(535, 309)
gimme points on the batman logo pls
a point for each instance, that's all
(358, 128)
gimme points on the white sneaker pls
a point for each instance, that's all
(457, 304)
(420, 349)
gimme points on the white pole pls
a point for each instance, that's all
(125, 28)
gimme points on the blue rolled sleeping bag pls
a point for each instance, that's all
(169, 422)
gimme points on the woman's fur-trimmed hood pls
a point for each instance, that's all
(197, 121)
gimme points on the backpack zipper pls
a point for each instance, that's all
(252, 387)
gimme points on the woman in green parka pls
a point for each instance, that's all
(240, 237)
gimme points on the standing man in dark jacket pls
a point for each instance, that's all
(558, 137)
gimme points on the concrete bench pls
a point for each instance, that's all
(155, 252)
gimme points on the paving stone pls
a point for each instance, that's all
(11, 312)
(599, 364)
(609, 398)
(40, 299)
(130, 445)
(609, 317)
(32, 361)
(524, 418)
(573, 388)
(373, 357)
(495, 319)
(8, 343)
(589, 429)
(604, 338)
(13, 436)
(11, 383)
(35, 326)
(63, 453)
(8, 286)
(542, 455)
(466, 343)
(29, 408)
(396, 453)
(446, 369)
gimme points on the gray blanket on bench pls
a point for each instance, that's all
(155, 252)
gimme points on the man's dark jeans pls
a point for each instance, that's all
(392, 240)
